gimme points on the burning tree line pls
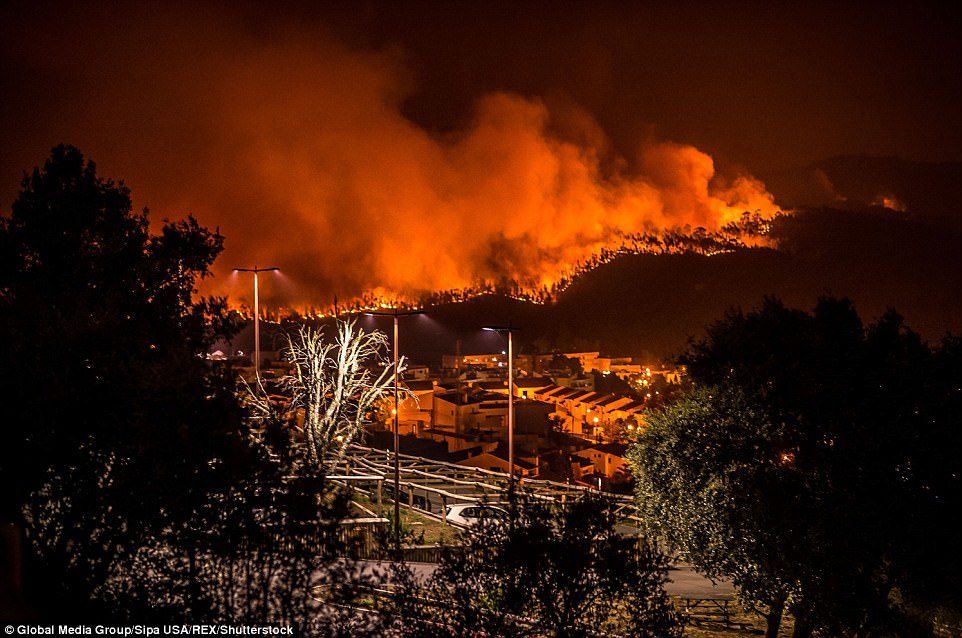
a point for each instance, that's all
(751, 230)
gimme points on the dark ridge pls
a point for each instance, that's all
(650, 305)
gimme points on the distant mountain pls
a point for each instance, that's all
(652, 304)
(926, 190)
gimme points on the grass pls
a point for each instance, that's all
(417, 528)
(426, 530)
(743, 623)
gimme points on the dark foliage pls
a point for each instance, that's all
(819, 465)
(144, 493)
(543, 573)
(102, 331)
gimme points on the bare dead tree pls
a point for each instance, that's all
(334, 387)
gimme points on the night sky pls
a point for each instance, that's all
(410, 146)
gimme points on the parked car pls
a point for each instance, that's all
(471, 514)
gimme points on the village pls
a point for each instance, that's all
(574, 414)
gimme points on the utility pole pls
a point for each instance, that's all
(457, 386)
(397, 441)
(257, 316)
(509, 330)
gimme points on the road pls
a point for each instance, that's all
(683, 580)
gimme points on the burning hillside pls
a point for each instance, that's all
(299, 149)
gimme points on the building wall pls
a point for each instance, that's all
(488, 461)
(605, 463)
(485, 415)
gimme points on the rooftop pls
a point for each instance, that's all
(471, 397)
(616, 449)
(419, 386)
(532, 382)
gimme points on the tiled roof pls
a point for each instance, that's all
(553, 392)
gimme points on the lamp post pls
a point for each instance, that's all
(257, 316)
(397, 467)
(509, 330)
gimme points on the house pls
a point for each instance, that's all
(496, 460)
(579, 409)
(485, 413)
(575, 381)
(416, 373)
(498, 385)
(608, 459)
(531, 419)
(414, 411)
(458, 441)
(469, 411)
(526, 387)
(628, 413)
(581, 467)
(585, 359)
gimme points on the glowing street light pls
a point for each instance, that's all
(257, 317)
(509, 330)
(394, 412)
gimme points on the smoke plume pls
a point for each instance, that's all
(297, 147)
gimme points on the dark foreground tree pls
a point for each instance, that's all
(818, 466)
(546, 573)
(101, 327)
(143, 491)
(716, 481)
(102, 387)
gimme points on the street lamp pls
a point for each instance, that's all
(397, 467)
(257, 318)
(509, 330)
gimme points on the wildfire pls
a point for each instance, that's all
(750, 230)
(505, 206)
(302, 154)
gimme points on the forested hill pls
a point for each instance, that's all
(650, 305)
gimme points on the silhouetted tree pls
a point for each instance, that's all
(821, 453)
(545, 573)
(101, 380)
(561, 362)
(715, 481)
(144, 492)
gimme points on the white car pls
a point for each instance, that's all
(471, 514)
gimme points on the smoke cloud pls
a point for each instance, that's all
(297, 148)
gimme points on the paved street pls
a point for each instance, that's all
(686, 582)
(683, 580)
(424, 482)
